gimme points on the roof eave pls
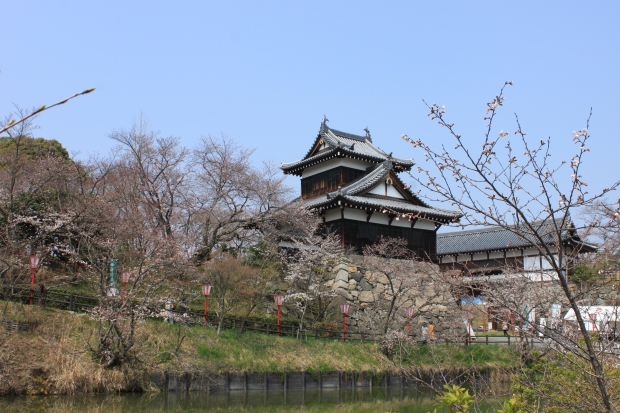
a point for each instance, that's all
(298, 166)
(584, 248)
(342, 201)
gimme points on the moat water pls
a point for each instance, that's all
(397, 399)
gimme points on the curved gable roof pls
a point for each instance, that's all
(344, 144)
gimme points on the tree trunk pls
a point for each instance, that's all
(389, 314)
(594, 361)
(244, 319)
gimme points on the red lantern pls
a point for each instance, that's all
(35, 260)
(125, 279)
(409, 312)
(206, 291)
(344, 309)
(279, 300)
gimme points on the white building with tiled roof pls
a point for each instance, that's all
(492, 251)
(356, 188)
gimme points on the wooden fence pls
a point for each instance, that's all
(81, 303)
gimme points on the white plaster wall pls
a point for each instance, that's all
(513, 253)
(355, 214)
(481, 256)
(378, 190)
(391, 191)
(534, 251)
(534, 263)
(496, 255)
(333, 163)
(379, 218)
(332, 214)
(424, 224)
(546, 263)
(402, 222)
(531, 263)
(447, 259)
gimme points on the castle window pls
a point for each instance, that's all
(328, 181)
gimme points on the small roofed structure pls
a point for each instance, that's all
(596, 318)
(493, 251)
(355, 186)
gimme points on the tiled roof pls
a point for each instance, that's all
(361, 146)
(403, 205)
(367, 181)
(352, 193)
(382, 203)
(348, 145)
(498, 238)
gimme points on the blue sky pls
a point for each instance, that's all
(266, 72)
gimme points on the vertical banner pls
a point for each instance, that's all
(556, 311)
(531, 318)
(526, 316)
(604, 327)
(592, 317)
(112, 278)
(542, 323)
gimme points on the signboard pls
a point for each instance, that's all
(112, 278)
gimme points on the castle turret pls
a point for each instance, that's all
(356, 188)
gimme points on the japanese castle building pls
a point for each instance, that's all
(355, 187)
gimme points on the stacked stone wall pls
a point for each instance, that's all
(370, 296)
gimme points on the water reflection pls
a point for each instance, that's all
(345, 400)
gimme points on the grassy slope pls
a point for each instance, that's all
(55, 358)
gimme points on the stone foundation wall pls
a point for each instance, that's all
(370, 296)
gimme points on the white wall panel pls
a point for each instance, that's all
(424, 224)
(402, 222)
(391, 191)
(332, 214)
(355, 214)
(379, 218)
(378, 190)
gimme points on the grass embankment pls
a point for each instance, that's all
(56, 357)
(147, 403)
